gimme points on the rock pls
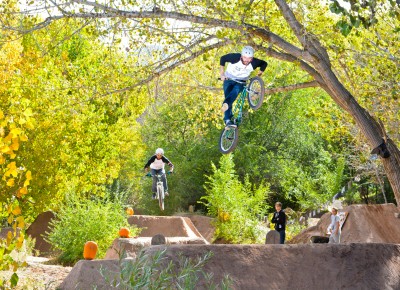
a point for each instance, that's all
(272, 237)
(38, 229)
(158, 240)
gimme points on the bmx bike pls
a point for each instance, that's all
(160, 195)
(253, 91)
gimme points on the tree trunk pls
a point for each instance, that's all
(374, 133)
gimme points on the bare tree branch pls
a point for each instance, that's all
(294, 87)
(169, 68)
(271, 91)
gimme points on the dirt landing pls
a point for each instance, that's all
(313, 266)
(168, 226)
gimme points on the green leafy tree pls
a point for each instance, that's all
(15, 123)
(365, 13)
(283, 145)
(184, 120)
(84, 139)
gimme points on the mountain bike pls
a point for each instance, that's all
(253, 91)
(160, 195)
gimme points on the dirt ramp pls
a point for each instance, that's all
(203, 224)
(312, 266)
(168, 226)
(364, 224)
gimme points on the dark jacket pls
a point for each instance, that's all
(279, 219)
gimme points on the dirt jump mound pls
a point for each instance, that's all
(378, 223)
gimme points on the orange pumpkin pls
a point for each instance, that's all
(124, 232)
(129, 211)
(90, 250)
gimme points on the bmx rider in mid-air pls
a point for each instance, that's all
(240, 66)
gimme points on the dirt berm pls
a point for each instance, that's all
(312, 266)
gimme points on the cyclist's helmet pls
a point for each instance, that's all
(160, 151)
(248, 51)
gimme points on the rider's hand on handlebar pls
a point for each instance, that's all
(170, 172)
(148, 174)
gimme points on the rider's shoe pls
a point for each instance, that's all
(224, 107)
(154, 196)
(166, 193)
(229, 123)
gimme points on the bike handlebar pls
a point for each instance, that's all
(150, 175)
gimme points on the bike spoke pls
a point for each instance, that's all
(228, 140)
(256, 93)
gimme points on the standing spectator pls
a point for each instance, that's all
(334, 227)
(279, 219)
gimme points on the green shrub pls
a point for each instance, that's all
(236, 205)
(86, 220)
(156, 272)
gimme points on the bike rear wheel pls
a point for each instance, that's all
(256, 92)
(229, 139)
(160, 195)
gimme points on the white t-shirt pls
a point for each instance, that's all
(157, 164)
(335, 219)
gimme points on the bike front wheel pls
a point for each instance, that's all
(228, 140)
(256, 93)
(160, 195)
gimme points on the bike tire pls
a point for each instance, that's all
(160, 195)
(256, 91)
(229, 139)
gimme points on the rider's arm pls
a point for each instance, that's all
(151, 160)
(165, 160)
(262, 64)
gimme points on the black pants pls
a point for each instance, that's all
(282, 235)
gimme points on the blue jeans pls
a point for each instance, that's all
(163, 178)
(231, 92)
(282, 236)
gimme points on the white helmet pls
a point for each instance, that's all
(160, 151)
(248, 51)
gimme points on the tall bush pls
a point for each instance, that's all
(86, 220)
(237, 206)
